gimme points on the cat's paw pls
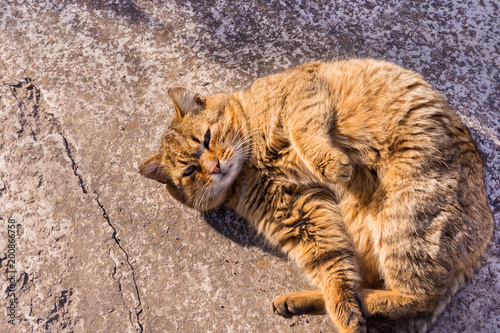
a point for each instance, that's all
(283, 305)
(304, 302)
(348, 316)
(351, 321)
(335, 167)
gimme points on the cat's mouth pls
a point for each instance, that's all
(224, 170)
(228, 171)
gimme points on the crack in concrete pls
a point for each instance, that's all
(138, 309)
(3, 186)
(36, 100)
(74, 166)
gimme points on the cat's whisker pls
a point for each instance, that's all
(248, 135)
(196, 199)
(246, 122)
(244, 140)
(203, 197)
(244, 151)
(200, 201)
(242, 145)
(191, 200)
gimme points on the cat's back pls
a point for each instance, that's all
(375, 93)
(379, 110)
(383, 106)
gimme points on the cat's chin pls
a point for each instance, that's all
(221, 182)
(211, 203)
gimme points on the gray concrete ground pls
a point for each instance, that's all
(83, 102)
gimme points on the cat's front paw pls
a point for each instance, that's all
(351, 320)
(335, 167)
(285, 306)
(306, 302)
(348, 315)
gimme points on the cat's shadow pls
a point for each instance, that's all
(237, 229)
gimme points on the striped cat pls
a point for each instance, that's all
(358, 170)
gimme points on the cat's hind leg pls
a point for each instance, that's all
(314, 235)
(406, 312)
(392, 311)
(429, 232)
(395, 305)
(299, 303)
(388, 311)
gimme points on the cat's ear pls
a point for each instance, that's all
(153, 169)
(186, 101)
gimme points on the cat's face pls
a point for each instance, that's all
(202, 152)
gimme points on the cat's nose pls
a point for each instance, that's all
(214, 167)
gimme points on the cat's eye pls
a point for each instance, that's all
(189, 171)
(206, 141)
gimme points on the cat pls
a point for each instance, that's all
(357, 169)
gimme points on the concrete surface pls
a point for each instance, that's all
(83, 102)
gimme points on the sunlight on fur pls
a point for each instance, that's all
(357, 169)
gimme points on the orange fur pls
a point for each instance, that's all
(357, 169)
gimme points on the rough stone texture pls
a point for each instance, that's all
(83, 102)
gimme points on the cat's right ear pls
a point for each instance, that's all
(153, 169)
(186, 101)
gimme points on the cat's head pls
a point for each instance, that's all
(202, 151)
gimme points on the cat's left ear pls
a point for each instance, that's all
(153, 169)
(186, 101)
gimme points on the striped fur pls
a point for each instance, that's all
(357, 169)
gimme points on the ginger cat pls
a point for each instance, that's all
(357, 169)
